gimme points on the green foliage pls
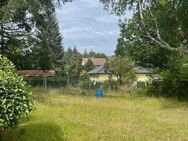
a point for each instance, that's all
(93, 54)
(156, 37)
(52, 82)
(173, 81)
(89, 65)
(85, 84)
(72, 65)
(144, 52)
(15, 95)
(120, 48)
(109, 85)
(122, 68)
(84, 75)
(30, 34)
(163, 24)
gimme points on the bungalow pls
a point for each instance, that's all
(142, 74)
(99, 74)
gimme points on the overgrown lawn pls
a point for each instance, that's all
(116, 117)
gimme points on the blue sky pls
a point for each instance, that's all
(87, 25)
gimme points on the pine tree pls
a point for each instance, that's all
(55, 41)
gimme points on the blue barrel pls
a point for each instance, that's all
(99, 93)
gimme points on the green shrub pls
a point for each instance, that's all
(173, 81)
(15, 95)
(141, 85)
(92, 85)
(109, 85)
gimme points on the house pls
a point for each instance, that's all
(96, 61)
(142, 74)
(99, 74)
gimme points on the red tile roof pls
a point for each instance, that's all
(96, 61)
(36, 73)
(99, 61)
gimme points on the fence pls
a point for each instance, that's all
(54, 82)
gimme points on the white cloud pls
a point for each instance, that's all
(84, 23)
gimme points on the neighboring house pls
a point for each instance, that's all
(142, 74)
(99, 74)
(96, 61)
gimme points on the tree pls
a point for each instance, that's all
(15, 96)
(144, 52)
(122, 68)
(50, 43)
(93, 54)
(15, 26)
(120, 48)
(89, 65)
(167, 64)
(27, 25)
(72, 65)
(164, 23)
(173, 81)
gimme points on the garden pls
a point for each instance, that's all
(53, 90)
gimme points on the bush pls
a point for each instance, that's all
(92, 85)
(109, 85)
(141, 85)
(15, 95)
(173, 82)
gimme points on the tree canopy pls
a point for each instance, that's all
(122, 68)
(163, 22)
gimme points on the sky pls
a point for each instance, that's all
(85, 24)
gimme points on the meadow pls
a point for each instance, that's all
(62, 115)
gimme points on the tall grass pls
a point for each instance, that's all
(64, 115)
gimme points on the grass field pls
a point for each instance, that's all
(116, 117)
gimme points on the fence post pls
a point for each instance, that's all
(45, 83)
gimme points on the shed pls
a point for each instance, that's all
(37, 73)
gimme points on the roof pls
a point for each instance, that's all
(96, 61)
(141, 70)
(102, 70)
(99, 61)
(98, 70)
(36, 73)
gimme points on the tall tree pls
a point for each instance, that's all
(27, 25)
(16, 26)
(144, 52)
(89, 65)
(120, 48)
(50, 33)
(163, 22)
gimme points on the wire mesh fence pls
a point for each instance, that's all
(54, 82)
